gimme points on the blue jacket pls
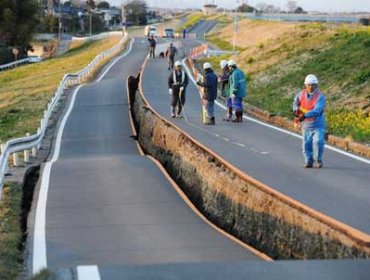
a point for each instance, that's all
(238, 83)
(317, 112)
(210, 85)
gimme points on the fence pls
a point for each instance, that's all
(33, 142)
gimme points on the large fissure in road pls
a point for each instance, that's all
(240, 205)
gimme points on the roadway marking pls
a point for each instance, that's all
(118, 58)
(88, 272)
(327, 146)
(39, 258)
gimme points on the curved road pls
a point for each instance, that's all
(340, 190)
(109, 206)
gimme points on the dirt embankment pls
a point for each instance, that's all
(251, 211)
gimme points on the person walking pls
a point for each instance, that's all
(238, 90)
(210, 92)
(152, 45)
(225, 92)
(308, 108)
(177, 83)
(170, 54)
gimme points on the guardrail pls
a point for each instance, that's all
(98, 36)
(33, 142)
(14, 64)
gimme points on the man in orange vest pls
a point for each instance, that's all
(308, 108)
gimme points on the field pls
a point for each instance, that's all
(276, 57)
(26, 91)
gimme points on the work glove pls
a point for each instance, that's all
(170, 91)
(301, 118)
(199, 79)
(232, 95)
(181, 89)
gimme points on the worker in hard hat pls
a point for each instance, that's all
(238, 90)
(225, 92)
(210, 92)
(308, 108)
(177, 83)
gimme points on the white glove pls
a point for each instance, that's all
(181, 89)
(199, 79)
(170, 91)
(232, 95)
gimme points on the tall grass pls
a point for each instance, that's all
(25, 91)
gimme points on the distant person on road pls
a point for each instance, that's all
(308, 108)
(225, 92)
(170, 54)
(184, 33)
(238, 90)
(152, 45)
(177, 83)
(210, 92)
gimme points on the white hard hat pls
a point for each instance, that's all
(223, 63)
(178, 63)
(207, 65)
(231, 63)
(311, 79)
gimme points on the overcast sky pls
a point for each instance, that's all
(308, 5)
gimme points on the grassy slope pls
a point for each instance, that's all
(25, 91)
(10, 232)
(277, 57)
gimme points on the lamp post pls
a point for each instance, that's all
(60, 21)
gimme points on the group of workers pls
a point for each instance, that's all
(308, 104)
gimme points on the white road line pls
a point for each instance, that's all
(88, 272)
(114, 61)
(39, 260)
(329, 147)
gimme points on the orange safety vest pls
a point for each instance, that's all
(306, 105)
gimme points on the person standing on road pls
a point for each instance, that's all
(224, 81)
(170, 54)
(238, 90)
(177, 83)
(210, 92)
(152, 45)
(308, 108)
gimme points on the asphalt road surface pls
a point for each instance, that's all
(109, 206)
(341, 189)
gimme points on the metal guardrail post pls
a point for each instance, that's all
(16, 160)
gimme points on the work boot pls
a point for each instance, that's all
(241, 116)
(319, 164)
(308, 165)
(237, 117)
(229, 116)
(213, 121)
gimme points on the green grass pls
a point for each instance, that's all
(339, 56)
(221, 44)
(25, 91)
(190, 21)
(343, 71)
(10, 232)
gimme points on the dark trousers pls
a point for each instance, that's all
(152, 52)
(171, 61)
(177, 100)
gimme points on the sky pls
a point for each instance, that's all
(307, 5)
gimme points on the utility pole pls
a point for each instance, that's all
(123, 16)
(60, 21)
(90, 21)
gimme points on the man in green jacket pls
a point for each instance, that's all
(238, 89)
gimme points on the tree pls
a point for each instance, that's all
(245, 8)
(103, 5)
(299, 10)
(18, 21)
(136, 12)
